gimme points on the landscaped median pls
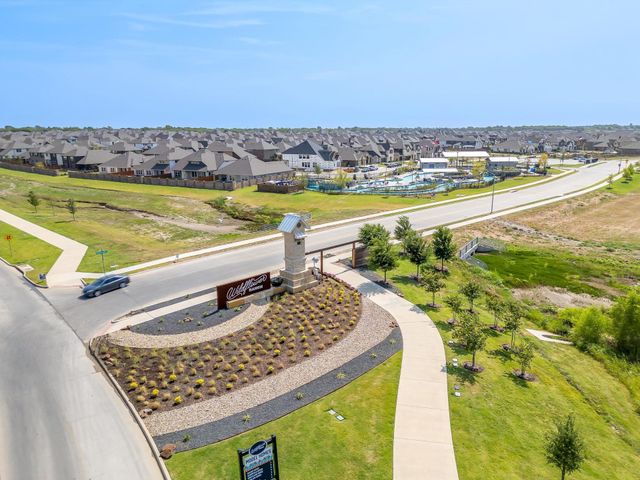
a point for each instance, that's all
(205, 375)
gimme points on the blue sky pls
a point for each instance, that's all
(291, 63)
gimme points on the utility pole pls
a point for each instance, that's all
(493, 192)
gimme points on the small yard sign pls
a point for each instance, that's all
(242, 288)
(260, 462)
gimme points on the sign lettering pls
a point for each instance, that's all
(242, 288)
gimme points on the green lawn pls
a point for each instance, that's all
(25, 249)
(523, 267)
(313, 444)
(132, 239)
(499, 423)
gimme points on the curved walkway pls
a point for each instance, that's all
(422, 442)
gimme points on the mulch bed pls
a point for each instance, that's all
(529, 377)
(191, 319)
(294, 327)
(476, 369)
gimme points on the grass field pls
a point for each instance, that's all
(137, 223)
(499, 423)
(313, 444)
(25, 249)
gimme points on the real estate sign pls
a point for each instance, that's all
(260, 462)
(242, 288)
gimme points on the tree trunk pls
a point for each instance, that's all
(385, 276)
(563, 472)
(418, 272)
(513, 338)
(442, 265)
(473, 360)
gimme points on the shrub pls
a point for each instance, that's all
(229, 386)
(199, 382)
(233, 377)
(166, 397)
(177, 400)
(197, 395)
(307, 353)
(175, 389)
(154, 393)
(211, 390)
(190, 391)
(140, 398)
(133, 385)
(154, 405)
(270, 369)
(589, 327)
(173, 377)
(299, 396)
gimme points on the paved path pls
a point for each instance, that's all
(548, 336)
(422, 442)
(63, 270)
(60, 419)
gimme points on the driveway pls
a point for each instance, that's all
(60, 419)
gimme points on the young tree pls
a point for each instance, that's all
(472, 291)
(433, 283)
(382, 256)
(610, 181)
(565, 448)
(71, 206)
(33, 200)
(543, 161)
(495, 305)
(627, 173)
(317, 169)
(403, 227)
(417, 250)
(525, 354)
(341, 180)
(454, 302)
(625, 316)
(443, 246)
(478, 169)
(370, 232)
(513, 319)
(470, 333)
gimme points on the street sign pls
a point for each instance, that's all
(8, 238)
(260, 462)
(102, 252)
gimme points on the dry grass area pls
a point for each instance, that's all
(293, 328)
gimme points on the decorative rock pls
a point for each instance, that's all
(457, 394)
(145, 412)
(167, 451)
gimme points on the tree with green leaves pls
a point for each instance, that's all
(565, 447)
(432, 282)
(627, 173)
(443, 247)
(71, 207)
(478, 169)
(610, 181)
(382, 256)
(513, 315)
(454, 302)
(33, 200)
(625, 317)
(472, 291)
(418, 251)
(495, 305)
(370, 232)
(341, 180)
(471, 334)
(403, 227)
(525, 354)
(589, 327)
(317, 169)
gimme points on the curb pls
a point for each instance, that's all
(134, 413)
(24, 274)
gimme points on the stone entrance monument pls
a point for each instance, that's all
(296, 276)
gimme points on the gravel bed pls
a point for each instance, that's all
(199, 317)
(373, 327)
(173, 301)
(243, 319)
(275, 408)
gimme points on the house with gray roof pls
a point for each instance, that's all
(309, 154)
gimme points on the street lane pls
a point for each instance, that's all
(89, 316)
(60, 419)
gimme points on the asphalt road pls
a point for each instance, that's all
(88, 317)
(60, 419)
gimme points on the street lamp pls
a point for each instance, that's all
(102, 253)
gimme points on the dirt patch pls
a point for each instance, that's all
(559, 297)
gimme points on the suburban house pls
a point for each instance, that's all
(308, 154)
(351, 158)
(502, 164)
(262, 150)
(94, 158)
(123, 164)
(201, 165)
(253, 169)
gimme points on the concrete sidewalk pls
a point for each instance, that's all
(62, 272)
(422, 442)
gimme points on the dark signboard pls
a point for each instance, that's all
(260, 462)
(242, 288)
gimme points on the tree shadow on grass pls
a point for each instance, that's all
(501, 354)
(442, 325)
(520, 382)
(462, 375)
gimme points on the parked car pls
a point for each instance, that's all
(106, 284)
